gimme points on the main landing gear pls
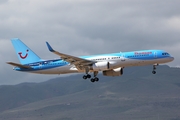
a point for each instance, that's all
(95, 79)
(154, 68)
(86, 76)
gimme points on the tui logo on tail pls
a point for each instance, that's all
(23, 57)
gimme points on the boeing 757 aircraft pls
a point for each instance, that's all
(110, 64)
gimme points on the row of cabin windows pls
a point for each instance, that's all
(106, 58)
(115, 57)
(57, 63)
(99, 59)
(137, 55)
(52, 63)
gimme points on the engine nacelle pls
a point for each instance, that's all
(114, 72)
(100, 66)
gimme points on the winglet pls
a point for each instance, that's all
(49, 47)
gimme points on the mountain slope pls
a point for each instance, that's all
(136, 95)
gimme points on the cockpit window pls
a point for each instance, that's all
(165, 53)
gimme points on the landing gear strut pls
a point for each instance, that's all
(87, 75)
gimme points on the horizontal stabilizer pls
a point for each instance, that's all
(18, 65)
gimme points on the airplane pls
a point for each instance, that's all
(109, 64)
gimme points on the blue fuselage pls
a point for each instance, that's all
(116, 60)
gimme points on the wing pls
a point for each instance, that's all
(80, 63)
(19, 65)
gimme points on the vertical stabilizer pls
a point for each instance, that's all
(24, 53)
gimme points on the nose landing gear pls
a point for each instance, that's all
(154, 68)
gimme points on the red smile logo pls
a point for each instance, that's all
(23, 57)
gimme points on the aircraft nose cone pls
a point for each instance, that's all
(171, 58)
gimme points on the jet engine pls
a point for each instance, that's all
(113, 72)
(100, 66)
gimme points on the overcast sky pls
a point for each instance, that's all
(84, 27)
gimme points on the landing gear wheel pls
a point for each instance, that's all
(154, 72)
(84, 77)
(88, 76)
(96, 79)
(92, 80)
